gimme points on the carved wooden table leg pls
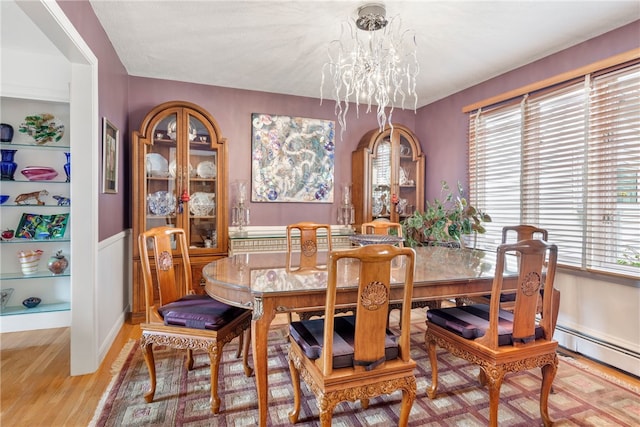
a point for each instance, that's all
(263, 314)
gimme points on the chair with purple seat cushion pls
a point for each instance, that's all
(500, 341)
(177, 318)
(357, 357)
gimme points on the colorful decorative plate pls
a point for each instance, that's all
(162, 203)
(42, 128)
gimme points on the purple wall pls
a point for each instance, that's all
(442, 127)
(113, 209)
(232, 109)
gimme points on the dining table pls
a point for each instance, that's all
(265, 284)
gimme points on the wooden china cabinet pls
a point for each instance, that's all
(388, 175)
(179, 180)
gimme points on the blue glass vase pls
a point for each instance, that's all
(67, 166)
(7, 165)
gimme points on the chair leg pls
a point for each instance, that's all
(246, 342)
(295, 382)
(147, 351)
(189, 362)
(548, 374)
(433, 358)
(215, 352)
(494, 382)
(325, 407)
(364, 403)
(408, 396)
(240, 345)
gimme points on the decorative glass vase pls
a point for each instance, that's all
(6, 132)
(57, 263)
(67, 166)
(7, 165)
(29, 261)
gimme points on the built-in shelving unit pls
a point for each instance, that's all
(54, 198)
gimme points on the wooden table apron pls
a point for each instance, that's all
(261, 282)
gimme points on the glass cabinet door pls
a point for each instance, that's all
(160, 178)
(382, 180)
(407, 173)
(203, 187)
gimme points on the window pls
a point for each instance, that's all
(566, 159)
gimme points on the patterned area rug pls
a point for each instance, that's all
(581, 397)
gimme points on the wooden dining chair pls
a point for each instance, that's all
(501, 341)
(520, 232)
(382, 227)
(179, 318)
(387, 227)
(309, 249)
(356, 357)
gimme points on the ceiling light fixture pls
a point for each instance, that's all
(374, 63)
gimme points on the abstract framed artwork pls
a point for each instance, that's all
(110, 143)
(292, 159)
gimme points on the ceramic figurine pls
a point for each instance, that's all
(22, 199)
(63, 201)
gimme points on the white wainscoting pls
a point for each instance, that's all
(600, 318)
(114, 288)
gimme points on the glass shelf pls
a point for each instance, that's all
(41, 308)
(6, 146)
(38, 275)
(35, 241)
(43, 181)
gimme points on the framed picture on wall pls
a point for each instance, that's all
(110, 147)
(292, 159)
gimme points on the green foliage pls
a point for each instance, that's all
(630, 257)
(444, 220)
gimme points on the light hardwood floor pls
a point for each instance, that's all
(37, 390)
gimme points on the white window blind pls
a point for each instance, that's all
(568, 160)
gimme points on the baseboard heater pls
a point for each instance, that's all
(599, 350)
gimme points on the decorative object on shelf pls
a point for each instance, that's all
(346, 212)
(6, 295)
(156, 165)
(162, 203)
(239, 211)
(67, 166)
(57, 263)
(372, 49)
(292, 159)
(62, 201)
(39, 173)
(7, 165)
(202, 204)
(31, 302)
(42, 128)
(110, 156)
(206, 169)
(29, 260)
(4, 198)
(444, 221)
(33, 226)
(375, 239)
(26, 198)
(7, 234)
(171, 130)
(6, 132)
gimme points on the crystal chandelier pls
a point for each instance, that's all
(374, 63)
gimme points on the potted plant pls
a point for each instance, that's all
(444, 221)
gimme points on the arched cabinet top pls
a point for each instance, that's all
(175, 107)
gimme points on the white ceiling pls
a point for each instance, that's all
(279, 46)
